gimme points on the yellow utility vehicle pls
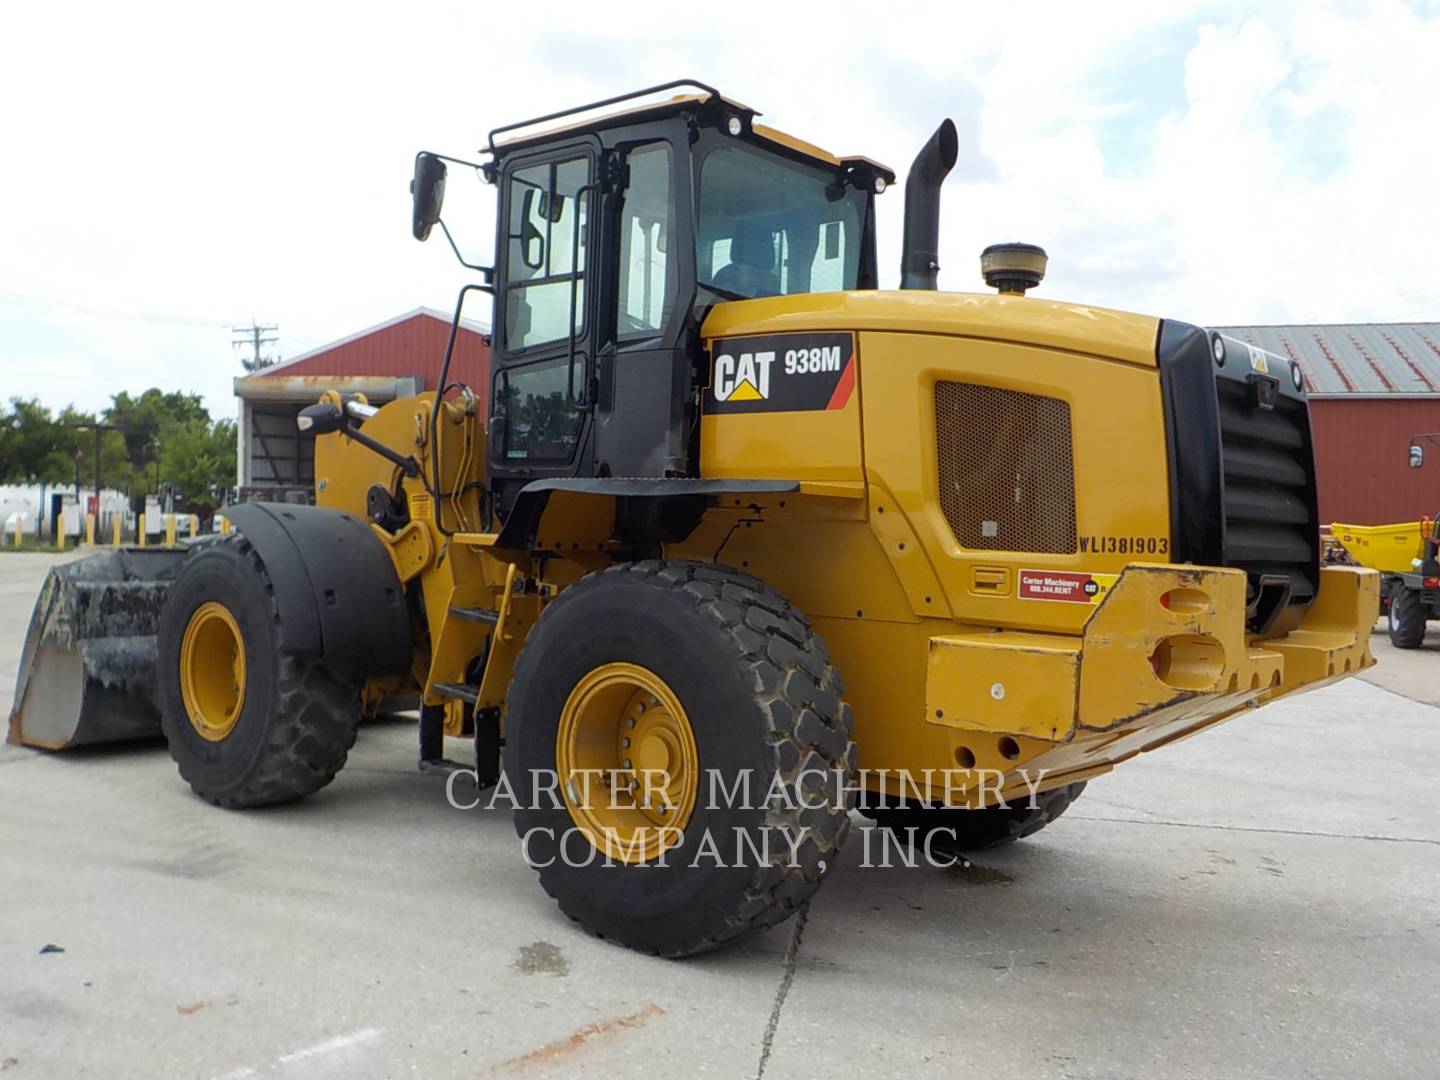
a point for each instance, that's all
(733, 535)
(1407, 554)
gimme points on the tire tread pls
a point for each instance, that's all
(312, 731)
(808, 722)
(1407, 619)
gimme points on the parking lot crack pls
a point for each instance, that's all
(1369, 679)
(1257, 829)
(787, 978)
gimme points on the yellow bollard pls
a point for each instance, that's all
(115, 531)
(140, 529)
(60, 535)
(169, 530)
(194, 526)
(225, 526)
(17, 530)
(90, 529)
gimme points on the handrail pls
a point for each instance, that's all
(673, 85)
(585, 189)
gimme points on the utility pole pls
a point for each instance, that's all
(253, 337)
(99, 429)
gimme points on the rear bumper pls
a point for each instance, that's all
(1164, 655)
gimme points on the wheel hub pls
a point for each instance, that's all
(627, 762)
(212, 671)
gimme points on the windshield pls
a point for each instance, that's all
(772, 227)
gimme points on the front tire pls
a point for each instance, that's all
(247, 723)
(1407, 619)
(729, 665)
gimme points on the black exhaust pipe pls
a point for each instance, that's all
(920, 259)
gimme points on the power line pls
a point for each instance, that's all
(166, 318)
(111, 313)
(254, 336)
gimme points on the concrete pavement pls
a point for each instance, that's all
(1260, 901)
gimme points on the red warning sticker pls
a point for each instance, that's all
(1063, 585)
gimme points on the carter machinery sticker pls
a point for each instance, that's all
(1074, 588)
(781, 373)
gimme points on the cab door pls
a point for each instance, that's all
(645, 408)
(543, 340)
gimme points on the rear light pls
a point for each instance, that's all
(1430, 582)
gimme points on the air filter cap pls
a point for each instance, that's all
(1014, 267)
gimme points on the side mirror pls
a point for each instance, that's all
(1417, 455)
(427, 194)
(320, 419)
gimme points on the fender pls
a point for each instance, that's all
(335, 586)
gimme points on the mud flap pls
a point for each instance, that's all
(87, 668)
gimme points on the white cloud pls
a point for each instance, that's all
(201, 165)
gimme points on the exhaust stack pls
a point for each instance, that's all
(920, 259)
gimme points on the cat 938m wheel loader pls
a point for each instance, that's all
(734, 540)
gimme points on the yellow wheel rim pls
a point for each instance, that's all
(212, 671)
(627, 762)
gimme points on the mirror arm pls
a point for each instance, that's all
(460, 161)
(487, 273)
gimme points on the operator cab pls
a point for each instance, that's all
(615, 235)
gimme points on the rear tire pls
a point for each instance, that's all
(296, 719)
(976, 830)
(1407, 619)
(753, 686)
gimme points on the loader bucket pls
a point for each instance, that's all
(87, 668)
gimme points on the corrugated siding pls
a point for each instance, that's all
(279, 452)
(1356, 358)
(413, 346)
(1361, 453)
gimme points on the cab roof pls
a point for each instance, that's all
(697, 97)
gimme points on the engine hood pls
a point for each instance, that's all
(1056, 324)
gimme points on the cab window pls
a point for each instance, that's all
(543, 261)
(769, 226)
(542, 422)
(647, 273)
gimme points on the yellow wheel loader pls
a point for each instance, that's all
(735, 541)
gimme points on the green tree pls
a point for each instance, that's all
(76, 446)
(165, 438)
(29, 440)
(196, 455)
(143, 418)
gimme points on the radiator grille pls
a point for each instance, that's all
(1007, 469)
(1268, 500)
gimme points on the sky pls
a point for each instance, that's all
(171, 171)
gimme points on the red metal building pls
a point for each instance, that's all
(395, 359)
(1373, 386)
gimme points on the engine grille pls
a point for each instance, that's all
(1007, 468)
(1242, 469)
(1268, 501)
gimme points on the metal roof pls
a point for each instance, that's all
(1367, 359)
(409, 346)
(468, 324)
